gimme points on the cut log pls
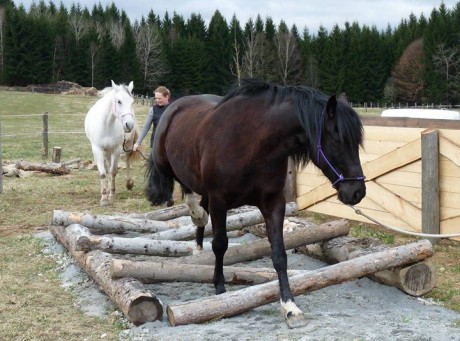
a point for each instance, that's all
(137, 303)
(73, 161)
(102, 224)
(167, 213)
(234, 222)
(414, 279)
(236, 302)
(154, 272)
(86, 241)
(260, 248)
(52, 168)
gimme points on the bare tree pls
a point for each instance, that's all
(408, 73)
(252, 61)
(236, 67)
(150, 53)
(288, 55)
(77, 22)
(117, 33)
(447, 62)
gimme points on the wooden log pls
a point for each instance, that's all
(260, 248)
(104, 224)
(234, 222)
(236, 302)
(73, 161)
(137, 303)
(154, 272)
(52, 168)
(167, 213)
(137, 245)
(414, 279)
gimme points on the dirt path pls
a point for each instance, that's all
(357, 310)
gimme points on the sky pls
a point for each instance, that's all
(302, 13)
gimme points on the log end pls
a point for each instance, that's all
(145, 309)
(418, 279)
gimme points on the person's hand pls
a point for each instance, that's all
(135, 147)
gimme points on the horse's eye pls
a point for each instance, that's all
(119, 102)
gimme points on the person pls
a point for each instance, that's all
(162, 100)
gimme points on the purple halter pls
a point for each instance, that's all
(320, 153)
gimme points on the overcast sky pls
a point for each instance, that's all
(303, 13)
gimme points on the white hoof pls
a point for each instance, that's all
(293, 316)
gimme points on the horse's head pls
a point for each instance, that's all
(123, 105)
(337, 150)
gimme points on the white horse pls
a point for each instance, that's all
(111, 127)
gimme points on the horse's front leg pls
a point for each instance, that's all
(129, 179)
(273, 211)
(113, 170)
(98, 155)
(218, 212)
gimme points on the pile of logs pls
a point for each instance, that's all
(95, 241)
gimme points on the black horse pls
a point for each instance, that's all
(234, 151)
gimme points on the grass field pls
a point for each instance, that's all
(33, 306)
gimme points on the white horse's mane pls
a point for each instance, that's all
(106, 90)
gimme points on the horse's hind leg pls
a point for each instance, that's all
(199, 216)
(273, 210)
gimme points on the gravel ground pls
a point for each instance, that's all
(357, 310)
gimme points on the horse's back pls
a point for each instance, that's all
(178, 135)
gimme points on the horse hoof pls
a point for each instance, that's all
(129, 184)
(296, 321)
(220, 289)
(169, 203)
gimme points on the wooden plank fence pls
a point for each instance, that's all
(412, 170)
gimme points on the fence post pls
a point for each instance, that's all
(290, 185)
(430, 183)
(45, 136)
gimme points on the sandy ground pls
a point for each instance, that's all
(357, 310)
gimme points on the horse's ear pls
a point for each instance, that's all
(343, 98)
(331, 107)
(131, 86)
(113, 84)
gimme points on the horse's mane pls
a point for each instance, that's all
(108, 89)
(309, 105)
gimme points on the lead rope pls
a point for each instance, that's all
(392, 228)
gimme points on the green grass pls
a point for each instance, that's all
(33, 306)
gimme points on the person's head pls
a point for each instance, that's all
(162, 96)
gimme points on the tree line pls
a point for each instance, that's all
(417, 61)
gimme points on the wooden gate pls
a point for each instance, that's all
(412, 170)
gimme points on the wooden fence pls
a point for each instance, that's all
(412, 170)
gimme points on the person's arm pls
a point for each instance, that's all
(145, 129)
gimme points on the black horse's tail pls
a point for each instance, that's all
(160, 187)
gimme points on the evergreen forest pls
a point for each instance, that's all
(416, 62)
